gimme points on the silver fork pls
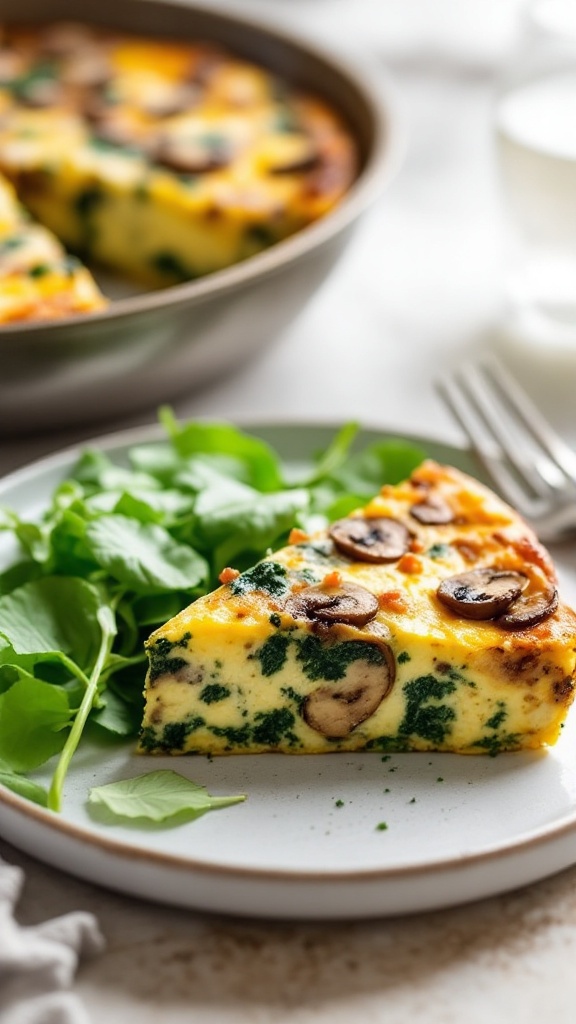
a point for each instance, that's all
(530, 465)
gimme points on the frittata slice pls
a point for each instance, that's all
(38, 280)
(163, 160)
(429, 620)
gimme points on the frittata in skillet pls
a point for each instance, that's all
(429, 620)
(160, 159)
(38, 280)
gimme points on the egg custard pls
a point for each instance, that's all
(162, 160)
(38, 280)
(429, 620)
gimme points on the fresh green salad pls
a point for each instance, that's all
(119, 550)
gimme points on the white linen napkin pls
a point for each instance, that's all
(38, 963)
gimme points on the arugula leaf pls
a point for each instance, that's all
(22, 786)
(144, 556)
(265, 473)
(17, 575)
(163, 507)
(33, 717)
(249, 526)
(333, 457)
(96, 472)
(387, 461)
(158, 796)
(115, 715)
(55, 615)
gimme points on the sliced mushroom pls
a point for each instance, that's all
(190, 155)
(207, 63)
(432, 512)
(99, 102)
(306, 161)
(530, 610)
(347, 603)
(380, 539)
(481, 593)
(172, 101)
(87, 69)
(337, 709)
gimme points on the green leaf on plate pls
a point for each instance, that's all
(115, 715)
(335, 454)
(144, 556)
(158, 797)
(388, 461)
(263, 465)
(21, 785)
(33, 720)
(53, 615)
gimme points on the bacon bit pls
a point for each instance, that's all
(299, 585)
(469, 548)
(332, 579)
(528, 550)
(297, 536)
(410, 563)
(228, 574)
(429, 472)
(416, 546)
(393, 601)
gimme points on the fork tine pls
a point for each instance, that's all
(527, 461)
(515, 442)
(532, 418)
(489, 451)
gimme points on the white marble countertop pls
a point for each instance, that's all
(419, 289)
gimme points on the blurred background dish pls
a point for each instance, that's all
(148, 346)
(536, 147)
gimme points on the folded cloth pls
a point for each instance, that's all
(38, 963)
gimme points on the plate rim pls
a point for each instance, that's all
(122, 848)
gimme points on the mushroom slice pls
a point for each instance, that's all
(481, 593)
(335, 710)
(530, 610)
(379, 539)
(432, 512)
(297, 162)
(187, 155)
(347, 603)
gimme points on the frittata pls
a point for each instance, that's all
(162, 160)
(38, 280)
(429, 620)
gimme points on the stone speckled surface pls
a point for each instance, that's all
(498, 960)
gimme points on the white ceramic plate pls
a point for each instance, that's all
(459, 828)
